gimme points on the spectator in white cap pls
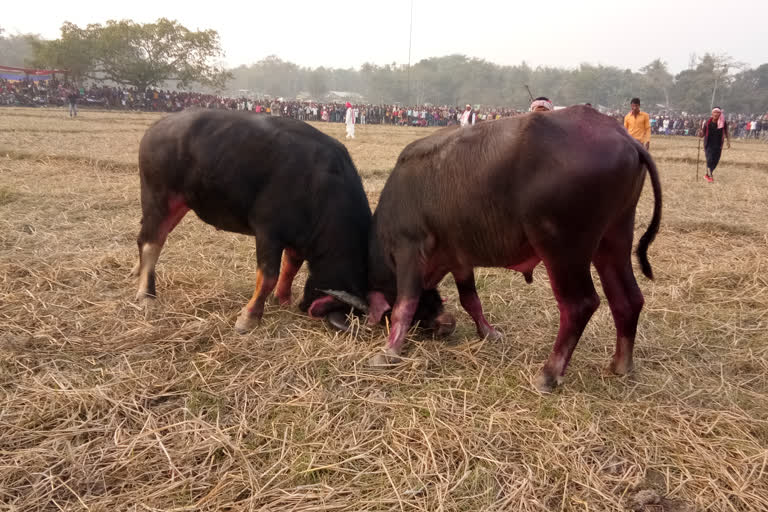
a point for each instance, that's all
(467, 117)
(715, 134)
(541, 104)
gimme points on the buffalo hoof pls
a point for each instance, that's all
(145, 300)
(621, 367)
(246, 323)
(546, 383)
(148, 305)
(445, 325)
(386, 358)
(283, 302)
(491, 334)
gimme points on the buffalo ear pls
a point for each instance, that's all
(348, 298)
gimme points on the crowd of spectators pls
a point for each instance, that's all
(55, 93)
(671, 123)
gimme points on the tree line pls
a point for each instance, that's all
(154, 54)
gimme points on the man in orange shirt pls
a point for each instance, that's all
(638, 124)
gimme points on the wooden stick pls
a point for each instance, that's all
(697, 160)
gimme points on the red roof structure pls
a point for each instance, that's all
(31, 71)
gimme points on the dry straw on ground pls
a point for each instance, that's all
(104, 408)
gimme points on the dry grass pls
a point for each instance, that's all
(104, 408)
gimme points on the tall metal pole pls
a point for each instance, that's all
(410, 37)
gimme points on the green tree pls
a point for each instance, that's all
(748, 91)
(140, 55)
(317, 83)
(658, 81)
(73, 52)
(272, 76)
(708, 83)
(16, 49)
(458, 79)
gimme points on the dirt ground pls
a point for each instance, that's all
(104, 407)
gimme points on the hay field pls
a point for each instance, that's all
(106, 408)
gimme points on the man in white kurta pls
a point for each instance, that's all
(350, 121)
(467, 117)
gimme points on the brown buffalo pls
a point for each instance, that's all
(558, 187)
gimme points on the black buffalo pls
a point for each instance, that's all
(279, 180)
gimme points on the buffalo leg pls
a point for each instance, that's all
(408, 293)
(465, 282)
(291, 264)
(614, 265)
(158, 220)
(268, 255)
(377, 306)
(577, 301)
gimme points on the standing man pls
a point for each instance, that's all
(72, 97)
(350, 121)
(714, 132)
(467, 117)
(638, 124)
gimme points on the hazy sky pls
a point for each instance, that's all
(346, 33)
